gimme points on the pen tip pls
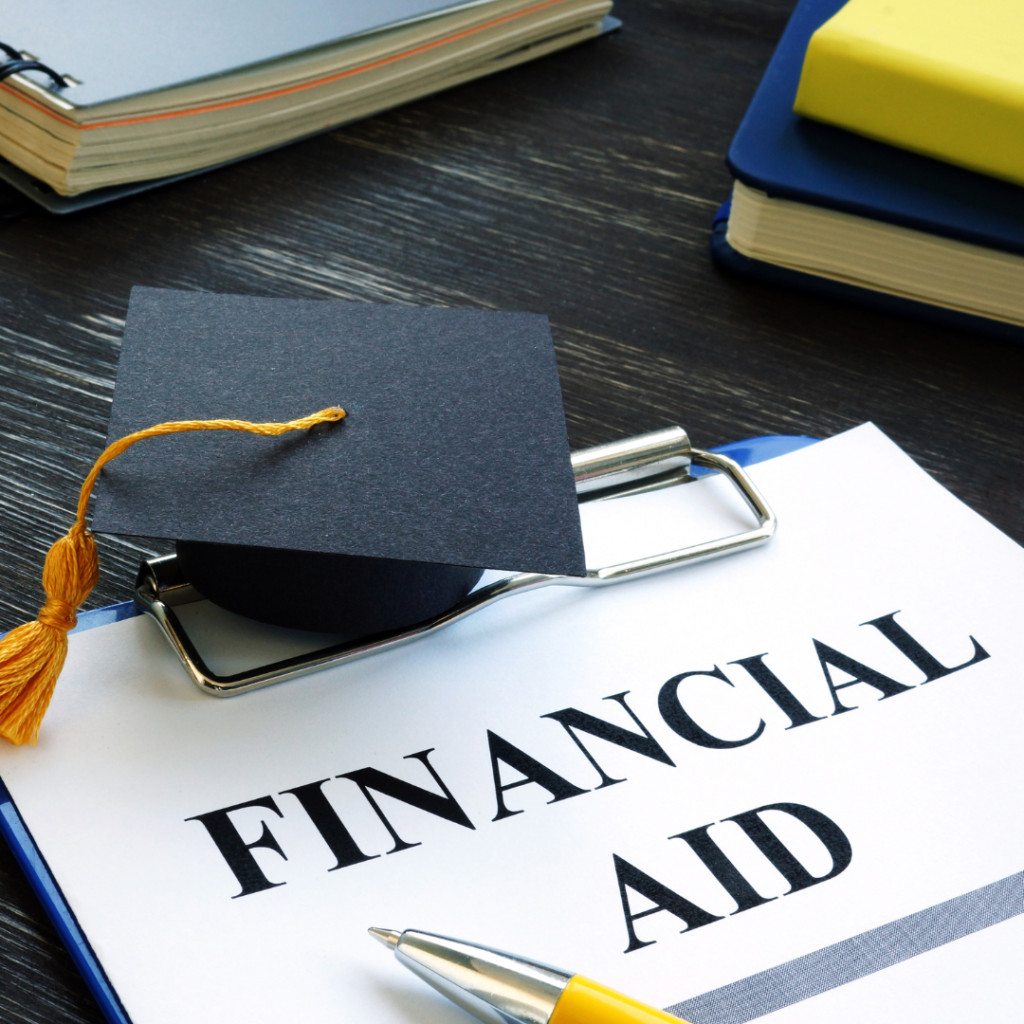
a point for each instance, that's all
(388, 936)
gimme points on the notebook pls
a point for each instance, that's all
(823, 209)
(156, 91)
(939, 77)
(571, 773)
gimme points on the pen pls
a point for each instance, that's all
(500, 988)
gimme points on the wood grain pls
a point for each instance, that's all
(581, 186)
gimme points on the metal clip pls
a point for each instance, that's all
(637, 464)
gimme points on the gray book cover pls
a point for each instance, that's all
(119, 48)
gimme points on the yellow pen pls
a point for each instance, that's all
(500, 988)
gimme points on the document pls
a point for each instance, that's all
(785, 784)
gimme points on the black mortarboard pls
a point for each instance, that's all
(452, 458)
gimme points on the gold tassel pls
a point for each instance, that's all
(32, 656)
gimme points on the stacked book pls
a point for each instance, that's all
(882, 160)
(106, 97)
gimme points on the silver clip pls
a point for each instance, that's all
(644, 463)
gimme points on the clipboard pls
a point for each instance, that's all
(748, 452)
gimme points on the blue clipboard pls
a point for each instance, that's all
(28, 855)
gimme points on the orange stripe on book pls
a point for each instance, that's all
(290, 89)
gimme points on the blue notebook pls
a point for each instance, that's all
(790, 157)
(32, 862)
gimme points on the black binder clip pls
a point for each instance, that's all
(632, 466)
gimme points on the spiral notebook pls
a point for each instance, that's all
(123, 95)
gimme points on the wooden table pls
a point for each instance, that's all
(582, 186)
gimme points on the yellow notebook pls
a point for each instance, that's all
(940, 77)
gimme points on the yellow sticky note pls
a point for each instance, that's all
(940, 77)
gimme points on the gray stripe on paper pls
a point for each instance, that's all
(856, 957)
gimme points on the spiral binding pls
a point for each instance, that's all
(17, 63)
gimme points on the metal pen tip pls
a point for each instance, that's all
(388, 936)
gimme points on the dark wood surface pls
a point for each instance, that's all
(582, 186)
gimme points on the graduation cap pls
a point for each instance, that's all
(440, 451)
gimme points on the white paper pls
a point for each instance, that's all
(925, 784)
